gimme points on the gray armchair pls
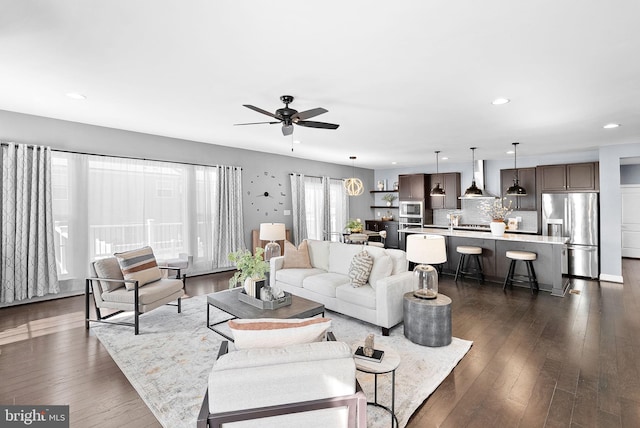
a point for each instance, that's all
(109, 292)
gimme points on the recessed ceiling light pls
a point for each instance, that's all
(296, 141)
(394, 162)
(76, 96)
(611, 125)
(444, 158)
(510, 152)
(500, 101)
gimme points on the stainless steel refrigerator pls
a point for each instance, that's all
(574, 215)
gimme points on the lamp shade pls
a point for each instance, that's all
(426, 249)
(272, 231)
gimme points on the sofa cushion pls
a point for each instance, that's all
(275, 332)
(139, 265)
(296, 276)
(296, 258)
(108, 268)
(148, 294)
(362, 296)
(360, 268)
(399, 259)
(319, 253)
(382, 267)
(325, 283)
(340, 256)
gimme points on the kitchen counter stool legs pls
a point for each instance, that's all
(473, 253)
(527, 257)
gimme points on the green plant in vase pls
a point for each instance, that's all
(355, 226)
(389, 198)
(250, 266)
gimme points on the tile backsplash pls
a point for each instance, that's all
(471, 214)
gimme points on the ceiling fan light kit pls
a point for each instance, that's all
(473, 190)
(289, 117)
(516, 189)
(437, 190)
(353, 185)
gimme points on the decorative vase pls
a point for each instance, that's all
(380, 185)
(388, 203)
(497, 227)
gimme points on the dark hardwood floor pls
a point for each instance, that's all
(537, 361)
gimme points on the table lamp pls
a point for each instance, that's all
(272, 232)
(426, 250)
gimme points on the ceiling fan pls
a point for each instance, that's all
(288, 117)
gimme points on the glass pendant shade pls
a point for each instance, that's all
(473, 190)
(516, 189)
(437, 190)
(353, 185)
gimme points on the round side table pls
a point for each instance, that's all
(389, 364)
(427, 322)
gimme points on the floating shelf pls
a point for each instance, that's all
(383, 206)
(383, 191)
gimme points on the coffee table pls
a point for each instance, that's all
(227, 301)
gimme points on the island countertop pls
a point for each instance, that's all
(550, 253)
(514, 237)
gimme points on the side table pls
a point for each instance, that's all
(427, 322)
(389, 364)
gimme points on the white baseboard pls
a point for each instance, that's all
(611, 278)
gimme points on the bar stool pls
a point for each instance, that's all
(527, 257)
(474, 253)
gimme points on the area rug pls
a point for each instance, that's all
(169, 361)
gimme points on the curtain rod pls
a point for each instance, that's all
(123, 157)
(315, 176)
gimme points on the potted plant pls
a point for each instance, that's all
(354, 226)
(251, 268)
(496, 210)
(389, 198)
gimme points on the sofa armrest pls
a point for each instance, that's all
(390, 292)
(275, 264)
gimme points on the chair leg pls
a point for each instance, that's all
(531, 275)
(480, 268)
(459, 269)
(507, 280)
(535, 278)
(179, 305)
(385, 331)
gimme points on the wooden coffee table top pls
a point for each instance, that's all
(228, 302)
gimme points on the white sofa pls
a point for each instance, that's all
(378, 302)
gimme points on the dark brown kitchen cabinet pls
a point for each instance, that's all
(412, 187)
(450, 183)
(391, 227)
(527, 179)
(574, 177)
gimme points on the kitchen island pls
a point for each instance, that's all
(549, 249)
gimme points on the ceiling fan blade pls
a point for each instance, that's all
(259, 110)
(311, 124)
(308, 114)
(287, 130)
(254, 123)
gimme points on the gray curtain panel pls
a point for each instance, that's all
(228, 223)
(28, 253)
(298, 204)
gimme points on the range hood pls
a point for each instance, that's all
(478, 176)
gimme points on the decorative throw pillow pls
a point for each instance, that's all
(296, 257)
(139, 265)
(382, 267)
(360, 268)
(108, 268)
(275, 333)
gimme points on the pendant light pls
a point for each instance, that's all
(353, 185)
(473, 190)
(516, 189)
(437, 190)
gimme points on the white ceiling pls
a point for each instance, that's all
(401, 78)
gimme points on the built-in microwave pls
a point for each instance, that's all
(411, 209)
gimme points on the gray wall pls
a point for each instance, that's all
(77, 137)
